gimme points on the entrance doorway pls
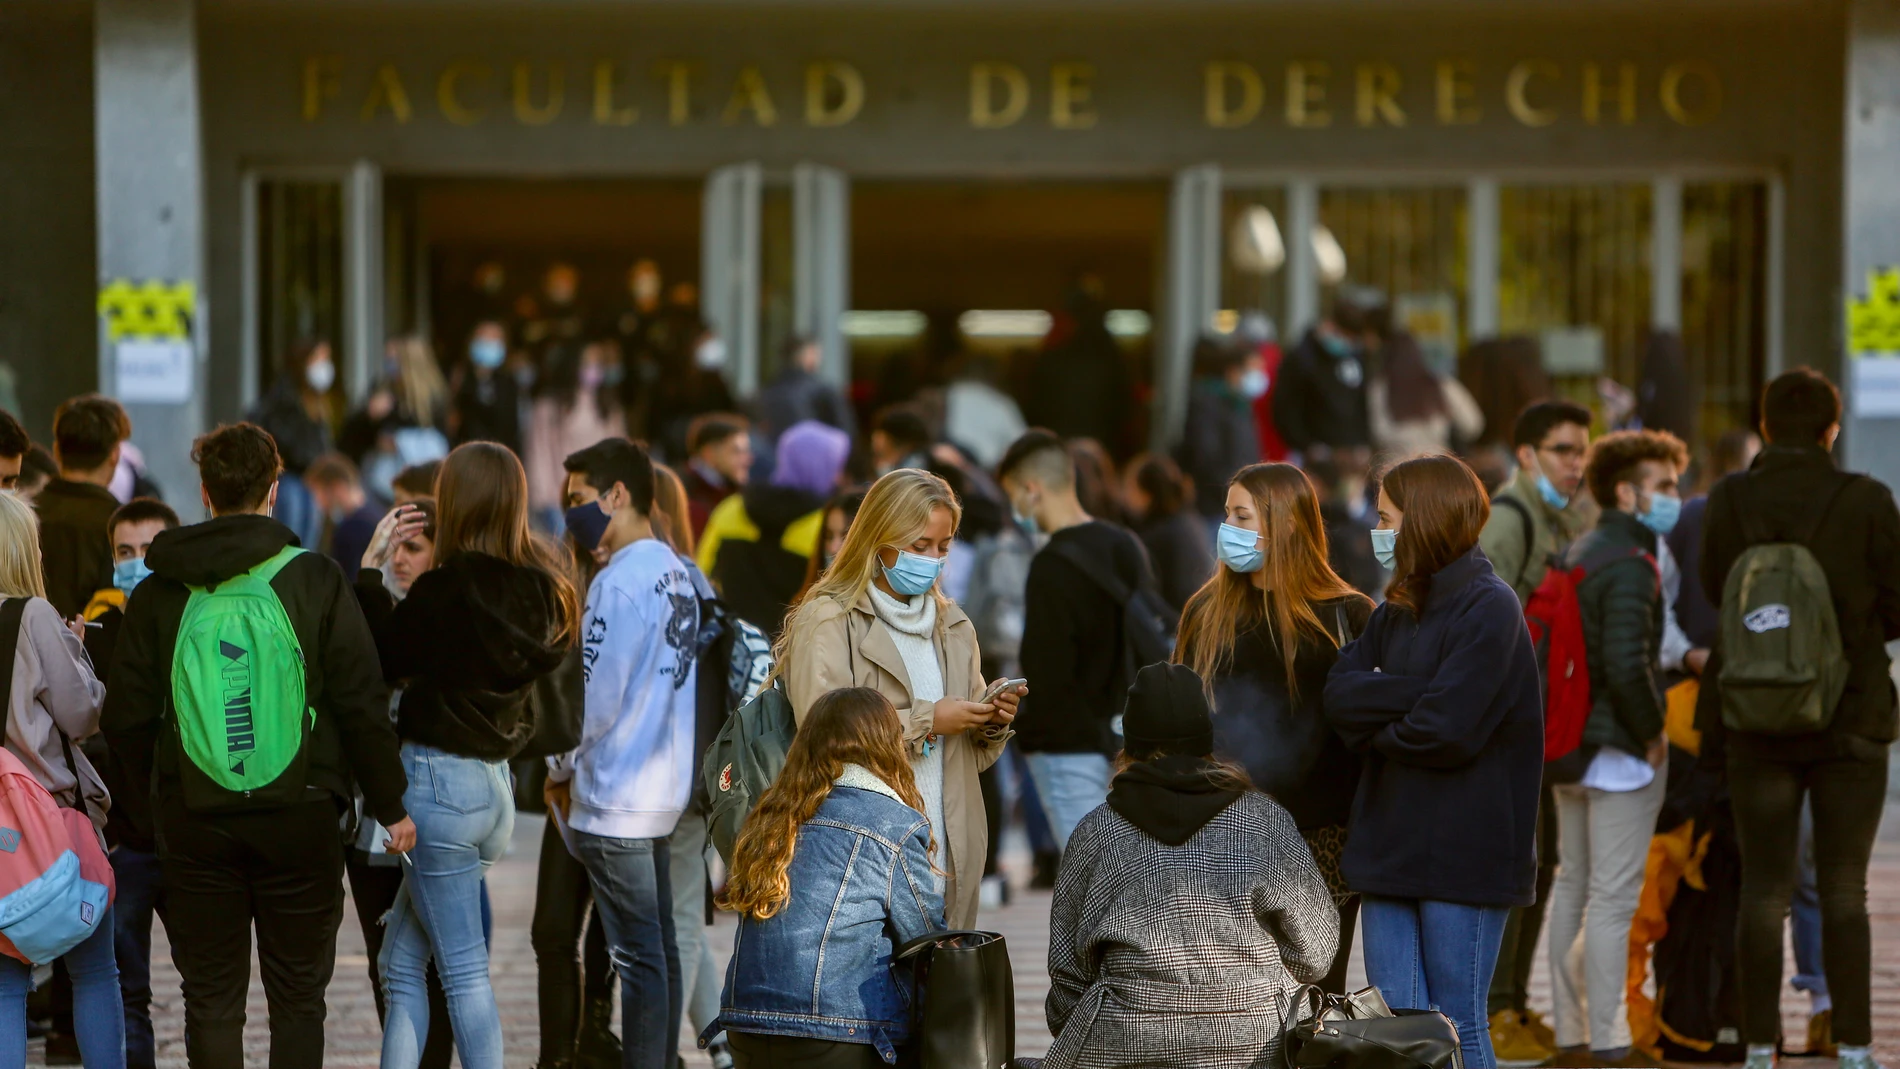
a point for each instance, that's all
(983, 279)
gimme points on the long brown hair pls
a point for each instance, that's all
(1297, 572)
(1445, 509)
(852, 725)
(671, 520)
(1222, 774)
(481, 498)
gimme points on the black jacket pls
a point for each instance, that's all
(1220, 439)
(1858, 545)
(758, 578)
(1449, 711)
(1182, 554)
(467, 645)
(352, 736)
(75, 545)
(1321, 398)
(1072, 640)
(300, 439)
(1620, 600)
(1283, 741)
(488, 408)
(1697, 618)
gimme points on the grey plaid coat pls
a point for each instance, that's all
(1183, 955)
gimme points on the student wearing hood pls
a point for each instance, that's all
(759, 542)
(1188, 908)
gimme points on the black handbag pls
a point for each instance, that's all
(1358, 1032)
(965, 1013)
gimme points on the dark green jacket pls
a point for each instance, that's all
(1622, 608)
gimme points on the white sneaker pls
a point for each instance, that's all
(1760, 1058)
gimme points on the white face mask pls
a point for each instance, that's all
(710, 355)
(320, 375)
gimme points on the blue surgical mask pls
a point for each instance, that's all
(587, 523)
(1026, 523)
(914, 573)
(129, 573)
(1253, 383)
(1385, 546)
(1548, 490)
(487, 352)
(1664, 511)
(1238, 548)
(1339, 346)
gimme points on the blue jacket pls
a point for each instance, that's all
(820, 968)
(1449, 711)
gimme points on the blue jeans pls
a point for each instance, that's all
(1070, 786)
(141, 891)
(1805, 914)
(464, 809)
(1426, 955)
(633, 889)
(98, 1016)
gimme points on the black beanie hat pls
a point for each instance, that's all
(1167, 712)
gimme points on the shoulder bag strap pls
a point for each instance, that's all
(1530, 530)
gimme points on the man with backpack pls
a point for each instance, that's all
(246, 695)
(624, 788)
(1090, 596)
(1611, 786)
(1802, 562)
(1532, 522)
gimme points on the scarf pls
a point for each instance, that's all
(1169, 798)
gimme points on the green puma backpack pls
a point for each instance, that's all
(1783, 668)
(238, 694)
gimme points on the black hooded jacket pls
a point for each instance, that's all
(352, 737)
(468, 644)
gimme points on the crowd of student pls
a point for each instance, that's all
(1266, 704)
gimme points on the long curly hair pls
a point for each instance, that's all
(1297, 572)
(851, 725)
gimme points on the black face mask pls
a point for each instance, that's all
(587, 523)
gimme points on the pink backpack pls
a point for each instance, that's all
(55, 880)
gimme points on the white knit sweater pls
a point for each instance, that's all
(913, 630)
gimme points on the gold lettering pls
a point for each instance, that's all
(1517, 95)
(1455, 92)
(1306, 94)
(1252, 94)
(1625, 93)
(749, 94)
(1070, 90)
(319, 84)
(1378, 90)
(984, 112)
(526, 112)
(679, 90)
(386, 91)
(821, 108)
(606, 113)
(1711, 97)
(449, 100)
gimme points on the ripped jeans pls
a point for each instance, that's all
(633, 890)
(464, 811)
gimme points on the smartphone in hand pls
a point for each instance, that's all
(999, 687)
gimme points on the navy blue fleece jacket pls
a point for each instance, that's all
(1447, 708)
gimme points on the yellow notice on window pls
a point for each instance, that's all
(1873, 321)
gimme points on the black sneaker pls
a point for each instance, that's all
(62, 1048)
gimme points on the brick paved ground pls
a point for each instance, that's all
(354, 1036)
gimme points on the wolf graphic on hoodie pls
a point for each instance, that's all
(633, 771)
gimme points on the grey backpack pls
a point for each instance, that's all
(1783, 668)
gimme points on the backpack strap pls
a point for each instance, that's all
(1523, 511)
(1755, 530)
(267, 571)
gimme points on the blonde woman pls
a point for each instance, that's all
(404, 419)
(53, 702)
(878, 618)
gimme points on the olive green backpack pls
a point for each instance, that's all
(239, 694)
(1783, 668)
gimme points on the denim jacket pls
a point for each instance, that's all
(821, 967)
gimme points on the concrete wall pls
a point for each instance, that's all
(47, 245)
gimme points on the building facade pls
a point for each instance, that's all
(233, 174)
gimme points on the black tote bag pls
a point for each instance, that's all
(1359, 1032)
(965, 1017)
